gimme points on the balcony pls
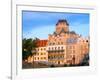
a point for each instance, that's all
(57, 58)
(55, 51)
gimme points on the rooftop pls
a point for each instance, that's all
(62, 21)
(41, 43)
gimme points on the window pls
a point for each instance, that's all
(52, 48)
(55, 48)
(87, 41)
(53, 43)
(54, 56)
(49, 48)
(35, 58)
(44, 48)
(41, 53)
(50, 43)
(58, 48)
(71, 40)
(61, 47)
(61, 42)
(73, 51)
(41, 49)
(44, 57)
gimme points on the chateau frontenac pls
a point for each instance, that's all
(63, 46)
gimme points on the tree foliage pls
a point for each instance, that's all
(27, 46)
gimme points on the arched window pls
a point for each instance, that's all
(61, 47)
(53, 43)
(49, 48)
(55, 48)
(58, 48)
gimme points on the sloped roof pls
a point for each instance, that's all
(41, 43)
(62, 21)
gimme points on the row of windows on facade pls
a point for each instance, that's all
(40, 58)
(68, 51)
(71, 51)
(68, 41)
(56, 43)
(61, 48)
(56, 57)
(70, 56)
(56, 62)
(84, 41)
(74, 40)
(40, 53)
(41, 49)
(55, 48)
(58, 37)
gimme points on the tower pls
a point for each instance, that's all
(62, 26)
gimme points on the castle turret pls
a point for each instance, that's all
(62, 25)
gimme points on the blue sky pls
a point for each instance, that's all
(40, 24)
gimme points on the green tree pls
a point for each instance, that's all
(28, 47)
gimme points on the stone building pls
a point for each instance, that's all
(63, 46)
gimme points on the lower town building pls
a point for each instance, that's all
(41, 53)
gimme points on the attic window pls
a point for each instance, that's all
(87, 41)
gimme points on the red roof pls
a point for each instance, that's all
(41, 43)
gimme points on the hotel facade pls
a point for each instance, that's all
(62, 47)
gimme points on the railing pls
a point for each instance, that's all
(55, 58)
(54, 51)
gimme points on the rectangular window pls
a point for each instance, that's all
(73, 51)
(44, 48)
(44, 53)
(44, 57)
(41, 53)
